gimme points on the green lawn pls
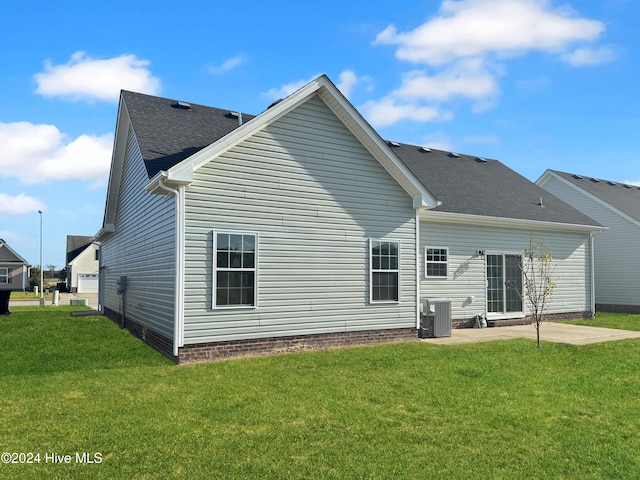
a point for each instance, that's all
(489, 410)
(612, 320)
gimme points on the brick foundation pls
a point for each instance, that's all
(611, 308)
(150, 337)
(206, 352)
(550, 317)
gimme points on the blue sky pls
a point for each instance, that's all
(536, 84)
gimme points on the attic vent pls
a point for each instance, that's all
(182, 105)
(454, 155)
(275, 103)
(577, 177)
(540, 204)
(626, 186)
(595, 180)
(481, 160)
(425, 149)
(613, 184)
(394, 144)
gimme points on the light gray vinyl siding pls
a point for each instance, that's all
(315, 197)
(616, 249)
(466, 276)
(142, 248)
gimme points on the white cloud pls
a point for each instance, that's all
(349, 79)
(475, 28)
(389, 110)
(86, 78)
(228, 65)
(465, 47)
(585, 56)
(19, 205)
(288, 88)
(39, 153)
(466, 78)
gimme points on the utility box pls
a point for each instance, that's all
(435, 318)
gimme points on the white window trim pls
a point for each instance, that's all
(5, 275)
(439, 263)
(503, 315)
(215, 271)
(372, 271)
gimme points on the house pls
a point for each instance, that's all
(615, 205)
(14, 270)
(226, 233)
(82, 264)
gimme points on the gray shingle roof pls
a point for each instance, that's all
(168, 133)
(76, 245)
(624, 197)
(469, 185)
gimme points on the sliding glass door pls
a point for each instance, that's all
(504, 283)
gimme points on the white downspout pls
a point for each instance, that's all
(178, 331)
(418, 306)
(593, 275)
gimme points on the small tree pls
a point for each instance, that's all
(539, 285)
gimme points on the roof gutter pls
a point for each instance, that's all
(469, 219)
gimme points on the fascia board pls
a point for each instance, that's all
(372, 141)
(117, 162)
(343, 110)
(549, 174)
(481, 220)
(186, 168)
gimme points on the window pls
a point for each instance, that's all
(436, 262)
(235, 270)
(504, 283)
(384, 271)
(4, 275)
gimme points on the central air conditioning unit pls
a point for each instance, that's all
(435, 320)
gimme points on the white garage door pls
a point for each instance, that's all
(87, 283)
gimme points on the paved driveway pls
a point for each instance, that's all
(549, 332)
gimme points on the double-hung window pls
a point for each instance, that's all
(235, 260)
(4, 275)
(384, 275)
(436, 262)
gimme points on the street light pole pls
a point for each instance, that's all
(41, 266)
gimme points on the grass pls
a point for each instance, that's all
(612, 320)
(28, 296)
(490, 410)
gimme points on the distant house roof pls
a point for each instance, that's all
(168, 131)
(76, 244)
(9, 256)
(478, 186)
(623, 197)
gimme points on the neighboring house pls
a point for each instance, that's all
(82, 264)
(14, 270)
(617, 206)
(226, 233)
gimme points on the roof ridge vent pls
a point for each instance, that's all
(595, 180)
(577, 177)
(393, 144)
(481, 159)
(613, 184)
(425, 149)
(626, 186)
(454, 155)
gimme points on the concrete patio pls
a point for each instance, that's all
(549, 332)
